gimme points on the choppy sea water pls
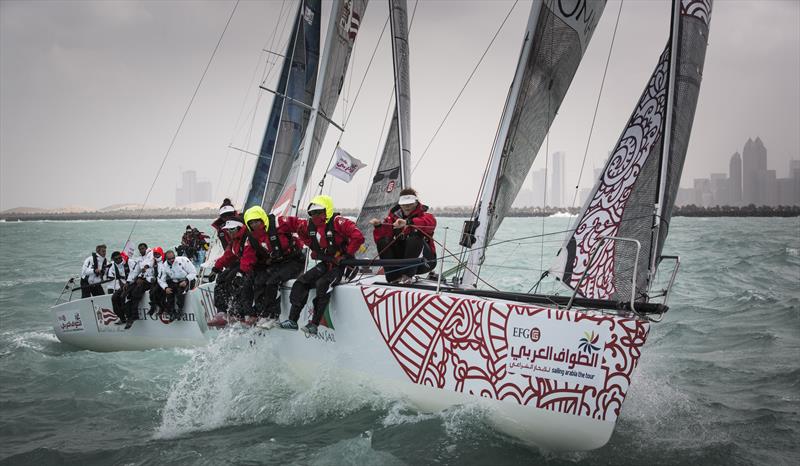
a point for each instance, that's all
(718, 382)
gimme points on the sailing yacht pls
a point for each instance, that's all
(552, 371)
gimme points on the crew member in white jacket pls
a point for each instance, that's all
(140, 279)
(176, 278)
(93, 271)
(118, 287)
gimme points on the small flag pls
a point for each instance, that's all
(108, 316)
(345, 166)
(129, 249)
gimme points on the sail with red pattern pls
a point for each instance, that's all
(640, 174)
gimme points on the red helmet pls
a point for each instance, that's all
(158, 250)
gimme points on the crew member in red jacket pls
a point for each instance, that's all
(226, 268)
(272, 256)
(331, 238)
(406, 233)
(226, 212)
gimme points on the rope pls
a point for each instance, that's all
(264, 74)
(321, 183)
(469, 78)
(183, 118)
(597, 105)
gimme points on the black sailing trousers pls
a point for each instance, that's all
(178, 296)
(135, 292)
(260, 295)
(408, 247)
(226, 290)
(322, 277)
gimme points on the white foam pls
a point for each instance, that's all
(233, 382)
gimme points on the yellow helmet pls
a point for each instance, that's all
(253, 213)
(324, 201)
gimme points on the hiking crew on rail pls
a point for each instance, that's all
(331, 238)
(406, 233)
(271, 256)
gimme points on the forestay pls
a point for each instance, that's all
(290, 110)
(392, 172)
(345, 20)
(642, 169)
(557, 35)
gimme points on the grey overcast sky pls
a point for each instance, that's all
(92, 91)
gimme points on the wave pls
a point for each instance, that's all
(234, 382)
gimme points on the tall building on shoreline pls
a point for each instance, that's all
(192, 190)
(735, 184)
(748, 182)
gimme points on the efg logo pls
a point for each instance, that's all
(534, 334)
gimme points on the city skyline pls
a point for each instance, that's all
(101, 86)
(749, 181)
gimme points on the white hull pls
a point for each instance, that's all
(552, 378)
(89, 324)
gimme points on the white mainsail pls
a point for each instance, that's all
(636, 192)
(392, 173)
(556, 39)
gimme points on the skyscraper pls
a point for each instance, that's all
(192, 190)
(735, 180)
(754, 172)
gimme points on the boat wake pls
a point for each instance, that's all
(237, 380)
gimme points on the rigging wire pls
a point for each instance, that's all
(546, 160)
(597, 104)
(480, 60)
(358, 92)
(589, 139)
(183, 119)
(353, 106)
(268, 65)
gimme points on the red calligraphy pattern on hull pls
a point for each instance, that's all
(461, 344)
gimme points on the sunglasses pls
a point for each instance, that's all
(314, 213)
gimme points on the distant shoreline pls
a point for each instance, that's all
(461, 212)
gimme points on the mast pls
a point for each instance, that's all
(398, 21)
(312, 122)
(258, 184)
(486, 205)
(658, 208)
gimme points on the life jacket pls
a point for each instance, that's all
(94, 259)
(332, 248)
(125, 267)
(277, 252)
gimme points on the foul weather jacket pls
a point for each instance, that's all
(233, 251)
(95, 261)
(347, 238)
(181, 269)
(422, 222)
(288, 244)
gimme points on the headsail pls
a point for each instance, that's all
(392, 173)
(345, 20)
(290, 109)
(641, 170)
(557, 36)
